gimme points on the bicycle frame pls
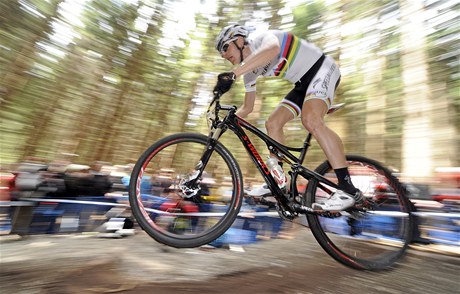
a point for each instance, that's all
(238, 125)
(167, 218)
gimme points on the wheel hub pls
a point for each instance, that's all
(189, 185)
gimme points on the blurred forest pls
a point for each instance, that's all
(101, 80)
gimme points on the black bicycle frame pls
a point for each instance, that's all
(237, 125)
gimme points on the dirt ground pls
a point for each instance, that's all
(137, 264)
(280, 280)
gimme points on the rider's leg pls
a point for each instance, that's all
(274, 125)
(276, 121)
(313, 112)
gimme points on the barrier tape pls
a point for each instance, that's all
(26, 201)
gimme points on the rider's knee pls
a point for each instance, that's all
(313, 123)
(272, 125)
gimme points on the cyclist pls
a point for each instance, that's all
(315, 77)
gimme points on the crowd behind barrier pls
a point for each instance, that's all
(49, 199)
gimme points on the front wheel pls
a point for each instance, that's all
(181, 201)
(369, 240)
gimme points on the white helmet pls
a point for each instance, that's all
(230, 33)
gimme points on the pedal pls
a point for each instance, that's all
(366, 205)
(370, 204)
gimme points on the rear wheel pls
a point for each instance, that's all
(370, 240)
(173, 203)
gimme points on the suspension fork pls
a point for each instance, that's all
(211, 144)
(204, 159)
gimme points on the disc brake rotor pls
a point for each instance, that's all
(184, 184)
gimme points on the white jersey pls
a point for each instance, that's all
(296, 57)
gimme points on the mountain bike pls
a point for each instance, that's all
(198, 193)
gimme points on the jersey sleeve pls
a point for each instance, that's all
(256, 44)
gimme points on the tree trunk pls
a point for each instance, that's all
(417, 149)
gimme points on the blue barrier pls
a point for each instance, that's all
(236, 237)
(67, 215)
(442, 229)
(338, 226)
(253, 222)
(44, 219)
(86, 213)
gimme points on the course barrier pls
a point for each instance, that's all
(254, 222)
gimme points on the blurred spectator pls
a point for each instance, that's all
(59, 179)
(162, 181)
(83, 180)
(447, 191)
(29, 177)
(6, 185)
(120, 176)
(449, 177)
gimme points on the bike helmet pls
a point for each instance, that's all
(230, 33)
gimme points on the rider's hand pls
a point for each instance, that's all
(224, 82)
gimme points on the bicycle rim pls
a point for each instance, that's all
(178, 214)
(373, 240)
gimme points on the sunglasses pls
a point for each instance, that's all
(224, 48)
